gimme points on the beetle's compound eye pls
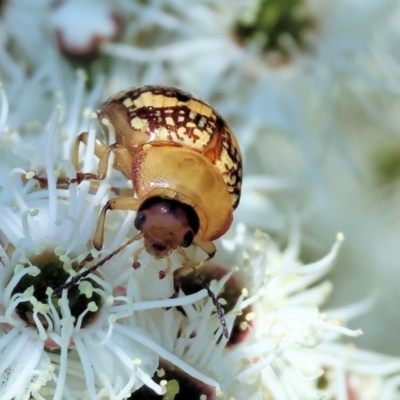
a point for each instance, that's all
(139, 221)
(188, 239)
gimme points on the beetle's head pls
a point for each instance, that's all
(166, 224)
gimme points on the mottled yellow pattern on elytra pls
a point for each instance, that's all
(140, 124)
(170, 121)
(163, 134)
(156, 101)
(196, 135)
(148, 99)
(176, 135)
(202, 122)
(204, 137)
(169, 101)
(181, 131)
(234, 198)
(138, 103)
(200, 108)
(128, 102)
(226, 161)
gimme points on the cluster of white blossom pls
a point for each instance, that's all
(311, 91)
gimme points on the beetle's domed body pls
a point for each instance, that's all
(186, 170)
(181, 149)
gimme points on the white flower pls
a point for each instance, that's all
(44, 236)
(292, 344)
(81, 27)
(115, 331)
(295, 107)
(96, 327)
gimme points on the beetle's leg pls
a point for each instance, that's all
(123, 159)
(122, 162)
(117, 203)
(43, 183)
(208, 247)
(99, 148)
(101, 169)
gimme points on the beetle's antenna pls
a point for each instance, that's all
(219, 309)
(89, 257)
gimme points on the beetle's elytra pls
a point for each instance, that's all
(162, 115)
(184, 162)
(186, 169)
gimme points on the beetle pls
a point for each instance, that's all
(186, 169)
(184, 162)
